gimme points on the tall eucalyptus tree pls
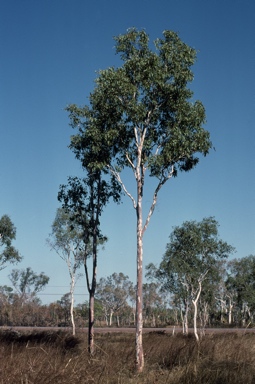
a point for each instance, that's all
(141, 116)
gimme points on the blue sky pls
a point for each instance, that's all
(50, 52)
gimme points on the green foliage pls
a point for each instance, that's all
(7, 234)
(27, 283)
(192, 255)
(241, 281)
(148, 94)
(114, 291)
(67, 239)
(84, 200)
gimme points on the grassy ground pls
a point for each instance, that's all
(56, 357)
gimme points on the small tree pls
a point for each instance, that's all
(113, 292)
(85, 200)
(141, 116)
(240, 284)
(67, 241)
(191, 257)
(27, 283)
(7, 234)
(152, 302)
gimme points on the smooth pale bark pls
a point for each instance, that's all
(185, 320)
(195, 310)
(230, 307)
(110, 318)
(139, 292)
(139, 172)
(72, 303)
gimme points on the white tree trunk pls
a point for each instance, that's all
(72, 303)
(110, 320)
(139, 290)
(230, 313)
(195, 301)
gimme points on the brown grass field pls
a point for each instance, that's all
(53, 357)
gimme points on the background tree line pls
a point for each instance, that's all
(225, 301)
(194, 278)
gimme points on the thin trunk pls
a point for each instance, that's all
(72, 304)
(230, 313)
(110, 321)
(91, 346)
(195, 310)
(95, 209)
(182, 320)
(195, 319)
(153, 320)
(185, 319)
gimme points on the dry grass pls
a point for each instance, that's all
(57, 357)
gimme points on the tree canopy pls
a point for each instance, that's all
(193, 249)
(7, 234)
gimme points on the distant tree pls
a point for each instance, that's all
(27, 283)
(141, 116)
(240, 284)
(7, 234)
(67, 240)
(152, 302)
(113, 292)
(191, 258)
(63, 309)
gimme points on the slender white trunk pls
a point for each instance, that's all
(139, 292)
(185, 319)
(230, 313)
(110, 321)
(72, 303)
(195, 301)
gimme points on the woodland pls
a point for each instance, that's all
(141, 117)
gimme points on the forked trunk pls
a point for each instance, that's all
(195, 301)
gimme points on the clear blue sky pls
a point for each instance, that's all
(50, 50)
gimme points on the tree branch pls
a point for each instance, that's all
(130, 162)
(118, 178)
(155, 197)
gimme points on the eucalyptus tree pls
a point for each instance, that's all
(153, 302)
(141, 116)
(27, 283)
(84, 199)
(7, 234)
(114, 292)
(66, 239)
(191, 258)
(240, 284)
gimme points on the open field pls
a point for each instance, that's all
(56, 357)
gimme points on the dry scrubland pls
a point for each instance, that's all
(58, 357)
